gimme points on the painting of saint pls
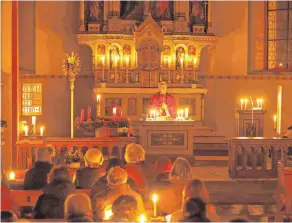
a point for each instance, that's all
(131, 10)
(198, 12)
(161, 10)
(94, 11)
(180, 53)
(191, 50)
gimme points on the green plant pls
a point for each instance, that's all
(73, 155)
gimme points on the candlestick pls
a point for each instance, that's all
(186, 112)
(127, 59)
(241, 103)
(154, 199)
(245, 103)
(42, 131)
(275, 122)
(25, 130)
(82, 115)
(261, 103)
(98, 105)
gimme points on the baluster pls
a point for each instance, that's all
(285, 155)
(264, 157)
(254, 157)
(244, 158)
(274, 157)
(238, 158)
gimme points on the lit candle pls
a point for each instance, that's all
(107, 214)
(181, 62)
(142, 218)
(258, 103)
(241, 103)
(261, 103)
(33, 120)
(275, 122)
(98, 105)
(154, 199)
(42, 130)
(280, 65)
(82, 115)
(186, 112)
(115, 112)
(98, 99)
(245, 103)
(11, 175)
(25, 130)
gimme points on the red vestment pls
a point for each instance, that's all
(158, 99)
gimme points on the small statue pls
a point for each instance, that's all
(163, 102)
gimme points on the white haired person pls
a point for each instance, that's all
(36, 177)
(125, 209)
(87, 176)
(78, 208)
(136, 167)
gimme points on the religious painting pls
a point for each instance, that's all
(198, 12)
(161, 10)
(131, 10)
(189, 103)
(180, 56)
(110, 103)
(132, 106)
(149, 55)
(94, 11)
(114, 56)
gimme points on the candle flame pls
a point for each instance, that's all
(107, 214)
(275, 118)
(154, 198)
(195, 60)
(142, 218)
(98, 98)
(11, 175)
(33, 120)
(42, 130)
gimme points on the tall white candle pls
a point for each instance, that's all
(25, 130)
(42, 130)
(33, 120)
(275, 122)
(154, 199)
(241, 103)
(186, 112)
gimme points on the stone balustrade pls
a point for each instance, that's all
(112, 146)
(257, 158)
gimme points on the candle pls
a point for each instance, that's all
(142, 218)
(102, 62)
(98, 105)
(280, 65)
(42, 130)
(181, 62)
(275, 122)
(107, 214)
(168, 218)
(11, 175)
(82, 115)
(186, 112)
(241, 103)
(261, 103)
(33, 120)
(25, 130)
(258, 103)
(98, 99)
(114, 111)
(245, 103)
(154, 199)
(88, 113)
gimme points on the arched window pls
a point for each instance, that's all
(279, 34)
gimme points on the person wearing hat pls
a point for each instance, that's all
(117, 183)
(36, 177)
(87, 176)
(136, 168)
(78, 208)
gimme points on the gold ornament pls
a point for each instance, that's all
(71, 65)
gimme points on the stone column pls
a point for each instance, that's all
(82, 23)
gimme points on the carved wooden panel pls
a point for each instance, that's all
(132, 106)
(149, 55)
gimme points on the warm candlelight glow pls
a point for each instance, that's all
(98, 98)
(142, 218)
(280, 65)
(127, 59)
(154, 199)
(25, 130)
(258, 102)
(169, 61)
(195, 61)
(186, 112)
(42, 130)
(33, 120)
(241, 103)
(114, 111)
(275, 122)
(168, 218)
(107, 214)
(116, 59)
(245, 103)
(261, 103)
(182, 61)
(11, 175)
(102, 58)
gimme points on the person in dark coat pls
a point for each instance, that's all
(78, 208)
(194, 210)
(87, 176)
(51, 203)
(36, 177)
(162, 168)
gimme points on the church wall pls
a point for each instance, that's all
(6, 84)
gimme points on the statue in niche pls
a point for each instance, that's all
(198, 12)
(94, 11)
(161, 10)
(114, 56)
(132, 10)
(180, 54)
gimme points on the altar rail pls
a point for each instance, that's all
(112, 146)
(257, 157)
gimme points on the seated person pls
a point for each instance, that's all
(136, 167)
(117, 183)
(162, 168)
(51, 203)
(78, 208)
(163, 102)
(171, 190)
(36, 177)
(87, 176)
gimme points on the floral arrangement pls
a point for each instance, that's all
(71, 64)
(73, 155)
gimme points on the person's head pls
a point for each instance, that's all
(194, 208)
(43, 155)
(93, 158)
(117, 176)
(195, 188)
(162, 87)
(162, 165)
(58, 173)
(134, 153)
(8, 216)
(114, 161)
(181, 170)
(51, 149)
(77, 205)
(125, 208)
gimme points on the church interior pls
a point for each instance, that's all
(207, 82)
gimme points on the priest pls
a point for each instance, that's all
(163, 103)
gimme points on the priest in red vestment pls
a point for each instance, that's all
(163, 102)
